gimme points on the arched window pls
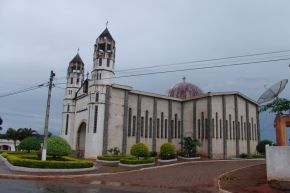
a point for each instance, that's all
(97, 97)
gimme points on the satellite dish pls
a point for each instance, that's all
(273, 91)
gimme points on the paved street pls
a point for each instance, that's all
(199, 177)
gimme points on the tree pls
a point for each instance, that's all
(189, 146)
(25, 132)
(1, 121)
(261, 147)
(278, 106)
(139, 150)
(13, 135)
(30, 143)
(57, 147)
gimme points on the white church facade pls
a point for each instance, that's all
(99, 114)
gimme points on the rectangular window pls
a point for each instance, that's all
(95, 119)
(202, 125)
(175, 126)
(205, 130)
(100, 61)
(71, 80)
(252, 122)
(221, 129)
(66, 124)
(142, 126)
(108, 62)
(162, 122)
(256, 131)
(230, 123)
(129, 121)
(146, 124)
(134, 125)
(212, 122)
(158, 127)
(179, 129)
(242, 128)
(198, 126)
(165, 129)
(97, 97)
(227, 127)
(245, 133)
(234, 130)
(150, 127)
(67, 108)
(78, 80)
(216, 125)
(172, 126)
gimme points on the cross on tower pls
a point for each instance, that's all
(183, 79)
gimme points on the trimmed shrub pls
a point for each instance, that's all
(29, 143)
(30, 160)
(57, 146)
(114, 151)
(167, 151)
(261, 147)
(189, 146)
(115, 158)
(243, 155)
(139, 150)
(153, 154)
(138, 161)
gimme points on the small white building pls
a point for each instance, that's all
(99, 114)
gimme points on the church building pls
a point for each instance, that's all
(99, 114)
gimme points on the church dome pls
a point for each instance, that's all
(184, 90)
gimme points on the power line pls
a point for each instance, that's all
(23, 90)
(201, 68)
(205, 60)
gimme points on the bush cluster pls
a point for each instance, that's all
(138, 161)
(30, 160)
(139, 150)
(167, 151)
(57, 146)
(243, 155)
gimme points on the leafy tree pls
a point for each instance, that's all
(278, 106)
(57, 146)
(189, 146)
(139, 150)
(167, 151)
(30, 143)
(261, 147)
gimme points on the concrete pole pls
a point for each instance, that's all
(44, 147)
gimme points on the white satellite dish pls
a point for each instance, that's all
(273, 91)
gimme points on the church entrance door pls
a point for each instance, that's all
(81, 140)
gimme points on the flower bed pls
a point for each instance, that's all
(134, 162)
(30, 160)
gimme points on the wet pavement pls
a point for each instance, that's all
(197, 176)
(23, 186)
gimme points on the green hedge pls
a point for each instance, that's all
(114, 157)
(29, 160)
(138, 161)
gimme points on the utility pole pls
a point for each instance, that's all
(44, 147)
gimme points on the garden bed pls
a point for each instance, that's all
(30, 160)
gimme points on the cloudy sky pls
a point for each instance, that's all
(39, 36)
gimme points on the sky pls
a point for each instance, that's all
(39, 36)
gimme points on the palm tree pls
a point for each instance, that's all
(25, 132)
(12, 134)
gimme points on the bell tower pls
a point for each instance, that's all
(104, 59)
(75, 78)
